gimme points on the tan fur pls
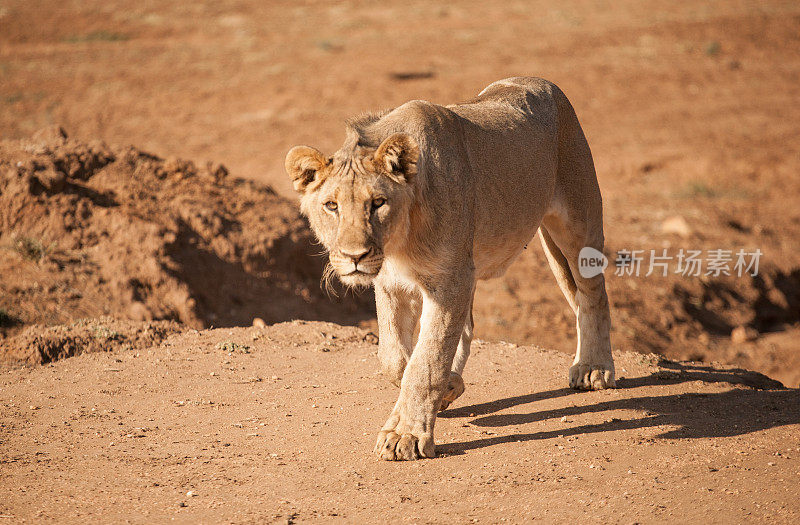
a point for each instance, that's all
(430, 198)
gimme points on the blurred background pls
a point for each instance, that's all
(690, 109)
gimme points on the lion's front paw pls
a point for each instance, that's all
(591, 377)
(394, 446)
(455, 387)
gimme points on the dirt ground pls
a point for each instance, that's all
(251, 425)
(691, 112)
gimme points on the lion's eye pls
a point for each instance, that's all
(331, 206)
(377, 203)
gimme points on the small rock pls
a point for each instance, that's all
(191, 493)
(139, 312)
(259, 323)
(182, 504)
(371, 338)
(677, 225)
(217, 171)
(742, 334)
(564, 419)
(54, 181)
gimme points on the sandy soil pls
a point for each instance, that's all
(277, 425)
(691, 111)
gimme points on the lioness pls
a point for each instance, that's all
(422, 200)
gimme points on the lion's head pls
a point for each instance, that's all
(357, 201)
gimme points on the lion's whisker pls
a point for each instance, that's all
(325, 283)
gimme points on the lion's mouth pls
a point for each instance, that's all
(360, 269)
(358, 277)
(359, 272)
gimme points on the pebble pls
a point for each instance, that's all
(742, 334)
(677, 225)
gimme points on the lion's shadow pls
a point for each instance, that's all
(766, 404)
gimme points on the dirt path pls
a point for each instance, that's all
(248, 425)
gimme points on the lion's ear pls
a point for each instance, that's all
(303, 164)
(398, 156)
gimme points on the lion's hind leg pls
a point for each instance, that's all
(593, 367)
(575, 221)
(560, 267)
(455, 386)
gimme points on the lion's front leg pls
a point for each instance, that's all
(408, 433)
(398, 313)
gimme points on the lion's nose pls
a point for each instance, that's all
(356, 255)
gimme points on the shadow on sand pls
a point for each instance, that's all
(765, 404)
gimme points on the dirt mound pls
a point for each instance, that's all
(766, 302)
(42, 344)
(687, 317)
(90, 230)
(748, 321)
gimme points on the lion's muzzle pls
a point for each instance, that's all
(357, 267)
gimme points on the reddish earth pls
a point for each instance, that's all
(691, 111)
(277, 425)
(89, 230)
